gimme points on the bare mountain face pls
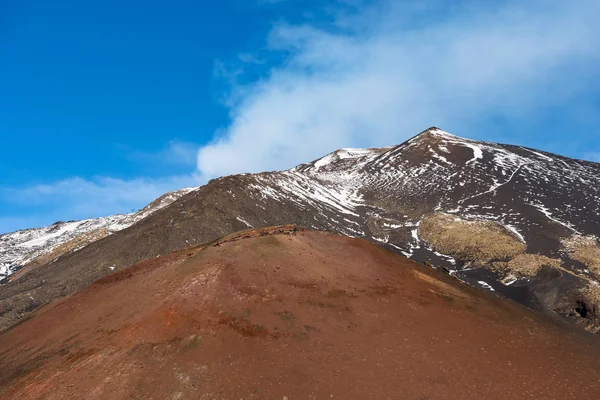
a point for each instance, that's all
(282, 312)
(516, 221)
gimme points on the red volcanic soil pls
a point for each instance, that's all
(279, 313)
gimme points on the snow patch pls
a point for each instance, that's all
(243, 221)
(486, 285)
(515, 232)
(21, 247)
(477, 152)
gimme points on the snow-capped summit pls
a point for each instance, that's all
(521, 222)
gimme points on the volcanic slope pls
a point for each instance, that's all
(285, 313)
(518, 221)
(38, 246)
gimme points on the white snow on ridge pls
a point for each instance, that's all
(509, 280)
(353, 153)
(543, 156)
(415, 235)
(41, 240)
(21, 247)
(164, 201)
(440, 132)
(515, 232)
(340, 187)
(342, 154)
(450, 138)
(439, 157)
(328, 159)
(345, 200)
(4, 270)
(477, 152)
(486, 285)
(244, 221)
(544, 210)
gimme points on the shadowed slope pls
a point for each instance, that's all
(280, 312)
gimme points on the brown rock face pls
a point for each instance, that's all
(281, 312)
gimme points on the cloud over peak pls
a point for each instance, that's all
(376, 77)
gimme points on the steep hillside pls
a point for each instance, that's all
(39, 246)
(516, 221)
(282, 313)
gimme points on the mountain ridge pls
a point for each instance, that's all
(284, 312)
(21, 248)
(533, 202)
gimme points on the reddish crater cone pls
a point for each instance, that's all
(301, 314)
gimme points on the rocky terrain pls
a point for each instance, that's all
(516, 221)
(284, 313)
(39, 246)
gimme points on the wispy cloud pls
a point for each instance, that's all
(175, 152)
(374, 77)
(382, 74)
(81, 198)
(78, 198)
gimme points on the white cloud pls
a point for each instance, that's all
(175, 152)
(392, 70)
(178, 152)
(377, 78)
(77, 198)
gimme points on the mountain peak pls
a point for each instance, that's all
(434, 131)
(437, 198)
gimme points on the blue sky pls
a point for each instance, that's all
(105, 105)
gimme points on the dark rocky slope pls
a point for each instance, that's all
(29, 248)
(543, 210)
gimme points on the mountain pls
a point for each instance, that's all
(516, 221)
(40, 246)
(284, 313)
